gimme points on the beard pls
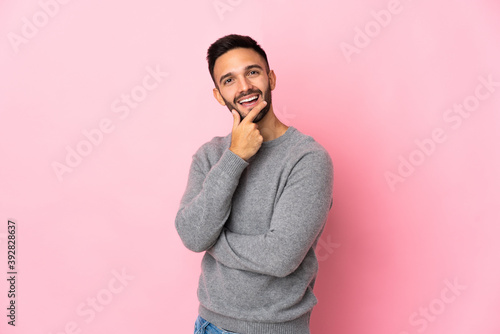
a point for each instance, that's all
(267, 97)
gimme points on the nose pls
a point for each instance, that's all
(244, 84)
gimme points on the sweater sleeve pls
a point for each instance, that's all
(298, 219)
(206, 203)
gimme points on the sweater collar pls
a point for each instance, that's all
(280, 139)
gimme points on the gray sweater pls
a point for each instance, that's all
(259, 223)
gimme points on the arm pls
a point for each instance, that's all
(297, 221)
(206, 203)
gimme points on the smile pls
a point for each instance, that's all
(248, 100)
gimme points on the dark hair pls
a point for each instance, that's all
(227, 43)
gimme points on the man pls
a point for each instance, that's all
(256, 203)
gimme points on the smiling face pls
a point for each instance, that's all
(242, 82)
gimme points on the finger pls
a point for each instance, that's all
(236, 119)
(254, 112)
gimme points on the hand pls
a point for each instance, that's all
(246, 138)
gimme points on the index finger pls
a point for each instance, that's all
(254, 112)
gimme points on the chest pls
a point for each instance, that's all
(257, 194)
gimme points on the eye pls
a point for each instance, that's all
(253, 72)
(227, 81)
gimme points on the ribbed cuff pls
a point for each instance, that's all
(232, 164)
(296, 326)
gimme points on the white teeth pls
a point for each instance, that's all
(249, 99)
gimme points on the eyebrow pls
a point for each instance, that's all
(246, 69)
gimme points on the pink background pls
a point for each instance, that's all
(390, 251)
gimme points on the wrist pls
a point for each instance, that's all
(235, 151)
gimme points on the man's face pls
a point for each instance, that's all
(243, 82)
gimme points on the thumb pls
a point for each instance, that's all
(236, 119)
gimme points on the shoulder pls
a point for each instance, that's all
(305, 148)
(212, 150)
(311, 166)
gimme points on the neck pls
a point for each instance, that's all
(271, 127)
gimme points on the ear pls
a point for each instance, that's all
(218, 97)
(272, 79)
